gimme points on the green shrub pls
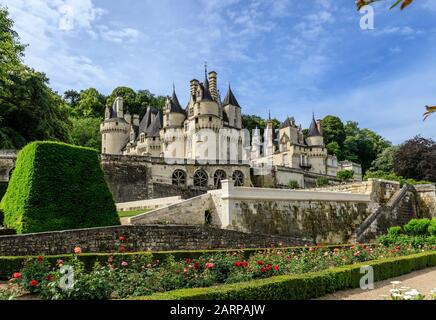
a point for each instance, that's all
(392, 177)
(293, 184)
(432, 227)
(395, 231)
(56, 186)
(417, 227)
(322, 181)
(302, 287)
(345, 175)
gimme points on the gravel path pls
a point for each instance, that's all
(423, 281)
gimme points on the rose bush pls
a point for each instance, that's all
(124, 276)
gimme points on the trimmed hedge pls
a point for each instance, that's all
(302, 287)
(9, 265)
(56, 186)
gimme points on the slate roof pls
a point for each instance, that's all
(313, 130)
(230, 99)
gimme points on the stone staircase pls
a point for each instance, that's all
(399, 210)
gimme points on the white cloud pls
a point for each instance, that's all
(119, 36)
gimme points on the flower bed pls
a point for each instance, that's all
(302, 287)
(124, 276)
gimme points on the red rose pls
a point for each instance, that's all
(237, 264)
(188, 261)
(268, 267)
(245, 264)
(210, 265)
(122, 249)
(49, 278)
(60, 262)
(16, 275)
(262, 270)
(260, 262)
(197, 265)
(122, 238)
(276, 268)
(398, 248)
(39, 258)
(33, 283)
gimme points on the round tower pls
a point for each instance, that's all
(115, 130)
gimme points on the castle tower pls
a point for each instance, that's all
(232, 109)
(174, 113)
(115, 130)
(314, 137)
(268, 140)
(256, 143)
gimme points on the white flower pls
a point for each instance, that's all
(406, 297)
(412, 293)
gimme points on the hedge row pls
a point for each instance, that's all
(302, 287)
(9, 265)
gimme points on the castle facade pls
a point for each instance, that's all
(205, 142)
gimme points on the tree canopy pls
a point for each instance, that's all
(30, 110)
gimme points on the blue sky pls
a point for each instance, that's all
(290, 56)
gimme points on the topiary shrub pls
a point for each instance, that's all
(56, 186)
(417, 227)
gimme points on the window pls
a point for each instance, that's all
(210, 119)
(200, 179)
(219, 176)
(238, 177)
(196, 120)
(179, 178)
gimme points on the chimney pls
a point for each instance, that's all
(136, 120)
(213, 85)
(318, 124)
(119, 107)
(194, 87)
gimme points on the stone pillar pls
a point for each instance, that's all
(227, 188)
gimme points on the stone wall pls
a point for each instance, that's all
(427, 199)
(134, 178)
(139, 238)
(147, 204)
(7, 163)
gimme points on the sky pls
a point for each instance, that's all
(292, 57)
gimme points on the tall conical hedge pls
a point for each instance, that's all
(56, 186)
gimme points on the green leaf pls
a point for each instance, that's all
(395, 4)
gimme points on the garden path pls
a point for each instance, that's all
(423, 281)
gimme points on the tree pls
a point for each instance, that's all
(91, 104)
(333, 130)
(334, 148)
(385, 160)
(86, 133)
(72, 97)
(30, 110)
(131, 103)
(416, 159)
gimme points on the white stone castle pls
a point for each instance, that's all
(210, 130)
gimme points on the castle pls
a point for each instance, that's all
(205, 143)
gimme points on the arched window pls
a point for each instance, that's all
(200, 179)
(219, 176)
(238, 177)
(179, 178)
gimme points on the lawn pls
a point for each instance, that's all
(128, 214)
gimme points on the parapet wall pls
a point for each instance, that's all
(139, 238)
(427, 199)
